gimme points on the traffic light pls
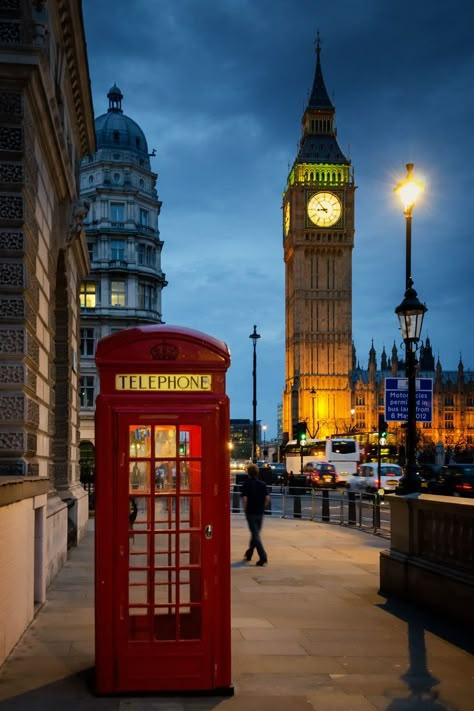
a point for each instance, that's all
(301, 432)
(383, 427)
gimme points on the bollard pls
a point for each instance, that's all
(268, 508)
(296, 502)
(352, 508)
(376, 511)
(325, 505)
(236, 499)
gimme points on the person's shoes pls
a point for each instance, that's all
(248, 555)
(261, 562)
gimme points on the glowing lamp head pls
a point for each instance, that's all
(409, 189)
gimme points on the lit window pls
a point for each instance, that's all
(87, 342)
(86, 391)
(117, 211)
(449, 421)
(87, 295)
(117, 293)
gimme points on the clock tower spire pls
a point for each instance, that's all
(318, 238)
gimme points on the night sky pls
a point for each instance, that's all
(219, 88)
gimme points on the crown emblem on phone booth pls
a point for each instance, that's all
(164, 351)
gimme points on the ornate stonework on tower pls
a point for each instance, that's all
(318, 237)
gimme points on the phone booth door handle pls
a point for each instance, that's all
(208, 531)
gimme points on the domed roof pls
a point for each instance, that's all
(115, 130)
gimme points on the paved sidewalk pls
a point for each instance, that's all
(310, 633)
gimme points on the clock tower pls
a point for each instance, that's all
(318, 238)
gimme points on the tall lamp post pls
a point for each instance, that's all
(410, 315)
(264, 429)
(254, 336)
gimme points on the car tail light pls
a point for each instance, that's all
(336, 477)
(465, 486)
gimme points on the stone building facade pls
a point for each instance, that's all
(123, 288)
(46, 127)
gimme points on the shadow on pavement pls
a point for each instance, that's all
(418, 678)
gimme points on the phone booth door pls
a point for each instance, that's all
(167, 589)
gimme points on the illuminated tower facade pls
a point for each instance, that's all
(318, 238)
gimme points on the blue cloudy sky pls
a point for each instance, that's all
(219, 88)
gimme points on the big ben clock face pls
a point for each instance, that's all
(286, 218)
(324, 209)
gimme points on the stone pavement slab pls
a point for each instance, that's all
(309, 633)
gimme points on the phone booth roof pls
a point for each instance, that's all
(171, 348)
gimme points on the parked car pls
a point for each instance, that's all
(454, 480)
(365, 480)
(280, 473)
(427, 474)
(321, 475)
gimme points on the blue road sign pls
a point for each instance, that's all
(396, 399)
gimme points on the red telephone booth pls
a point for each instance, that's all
(162, 512)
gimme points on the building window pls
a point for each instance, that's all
(90, 249)
(150, 256)
(448, 400)
(91, 179)
(87, 342)
(87, 295)
(86, 391)
(146, 296)
(360, 399)
(117, 211)
(116, 136)
(117, 250)
(470, 401)
(141, 253)
(142, 183)
(449, 421)
(117, 293)
(116, 177)
(144, 217)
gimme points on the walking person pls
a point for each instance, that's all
(255, 498)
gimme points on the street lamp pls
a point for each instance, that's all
(313, 396)
(254, 336)
(410, 315)
(264, 429)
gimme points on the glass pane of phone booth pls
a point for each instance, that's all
(164, 527)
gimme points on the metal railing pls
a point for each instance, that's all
(337, 506)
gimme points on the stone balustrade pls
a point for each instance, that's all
(431, 556)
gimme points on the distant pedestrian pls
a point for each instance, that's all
(255, 498)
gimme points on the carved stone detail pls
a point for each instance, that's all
(14, 467)
(12, 374)
(10, 33)
(11, 207)
(11, 407)
(12, 441)
(80, 208)
(12, 308)
(32, 413)
(11, 138)
(10, 5)
(12, 274)
(12, 340)
(11, 240)
(11, 172)
(11, 104)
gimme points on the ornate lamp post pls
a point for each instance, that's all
(410, 315)
(254, 336)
